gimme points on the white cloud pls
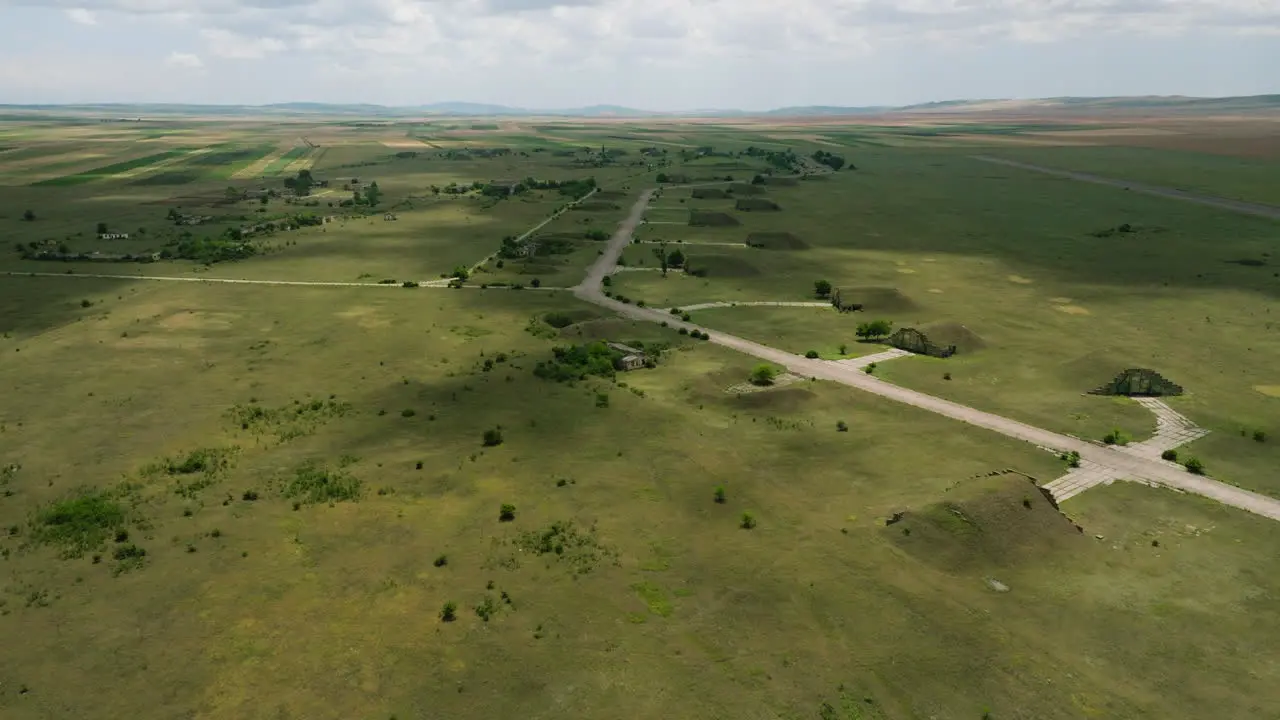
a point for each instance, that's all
(82, 16)
(229, 44)
(692, 51)
(184, 60)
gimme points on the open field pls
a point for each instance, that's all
(239, 501)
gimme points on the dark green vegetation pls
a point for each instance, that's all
(107, 171)
(343, 502)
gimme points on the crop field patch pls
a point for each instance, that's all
(277, 166)
(172, 177)
(756, 205)
(704, 218)
(596, 206)
(109, 170)
(709, 194)
(725, 266)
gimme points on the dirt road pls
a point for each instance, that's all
(1239, 206)
(1125, 465)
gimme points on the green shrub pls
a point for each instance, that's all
(441, 561)
(1194, 466)
(683, 331)
(1170, 455)
(507, 512)
(844, 349)
(719, 494)
(408, 412)
(449, 612)
(812, 354)
(79, 524)
(842, 426)
(748, 520)
(1259, 436)
(314, 483)
(492, 437)
(1116, 437)
(763, 374)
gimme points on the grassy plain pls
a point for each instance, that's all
(305, 466)
(1033, 267)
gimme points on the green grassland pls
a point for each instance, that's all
(1249, 179)
(256, 501)
(1088, 302)
(656, 587)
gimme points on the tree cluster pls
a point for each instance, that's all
(831, 160)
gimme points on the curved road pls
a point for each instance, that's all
(1123, 464)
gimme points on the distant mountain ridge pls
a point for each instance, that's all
(1169, 103)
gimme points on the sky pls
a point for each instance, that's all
(653, 54)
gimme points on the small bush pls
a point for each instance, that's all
(719, 494)
(1116, 437)
(812, 354)
(449, 612)
(748, 520)
(844, 349)
(79, 524)
(683, 331)
(418, 465)
(314, 483)
(507, 513)
(1194, 466)
(1072, 459)
(249, 496)
(1170, 455)
(763, 375)
(441, 561)
(842, 426)
(492, 437)
(408, 412)
(1259, 436)
(946, 376)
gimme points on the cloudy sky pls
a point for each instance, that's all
(655, 54)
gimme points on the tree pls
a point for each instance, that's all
(676, 259)
(535, 283)
(102, 228)
(757, 180)
(449, 612)
(660, 252)
(1194, 466)
(492, 437)
(662, 177)
(812, 354)
(507, 512)
(763, 374)
(28, 215)
(373, 194)
(460, 273)
(822, 288)
(874, 329)
(264, 200)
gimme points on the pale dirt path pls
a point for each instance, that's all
(1267, 211)
(1124, 464)
(757, 303)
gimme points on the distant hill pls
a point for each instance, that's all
(1135, 104)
